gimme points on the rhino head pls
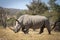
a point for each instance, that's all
(17, 27)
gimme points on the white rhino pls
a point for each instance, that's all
(32, 21)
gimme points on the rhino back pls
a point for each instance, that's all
(30, 19)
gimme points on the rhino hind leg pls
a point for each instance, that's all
(47, 25)
(42, 29)
(49, 31)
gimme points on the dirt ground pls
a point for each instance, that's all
(7, 34)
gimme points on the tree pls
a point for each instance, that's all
(55, 8)
(37, 7)
(3, 17)
(52, 4)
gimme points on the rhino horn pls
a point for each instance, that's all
(11, 28)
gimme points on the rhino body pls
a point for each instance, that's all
(32, 21)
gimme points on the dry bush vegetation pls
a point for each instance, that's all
(7, 34)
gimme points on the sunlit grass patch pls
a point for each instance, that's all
(8, 34)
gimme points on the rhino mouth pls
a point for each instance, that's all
(16, 30)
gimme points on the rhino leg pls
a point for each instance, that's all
(49, 31)
(42, 29)
(25, 30)
(47, 25)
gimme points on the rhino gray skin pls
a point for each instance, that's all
(32, 21)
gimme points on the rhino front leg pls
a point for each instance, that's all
(25, 30)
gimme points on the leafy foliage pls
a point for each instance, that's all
(11, 21)
(55, 8)
(37, 7)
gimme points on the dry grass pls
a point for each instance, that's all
(7, 34)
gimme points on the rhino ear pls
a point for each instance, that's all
(17, 21)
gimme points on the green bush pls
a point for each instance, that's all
(11, 22)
